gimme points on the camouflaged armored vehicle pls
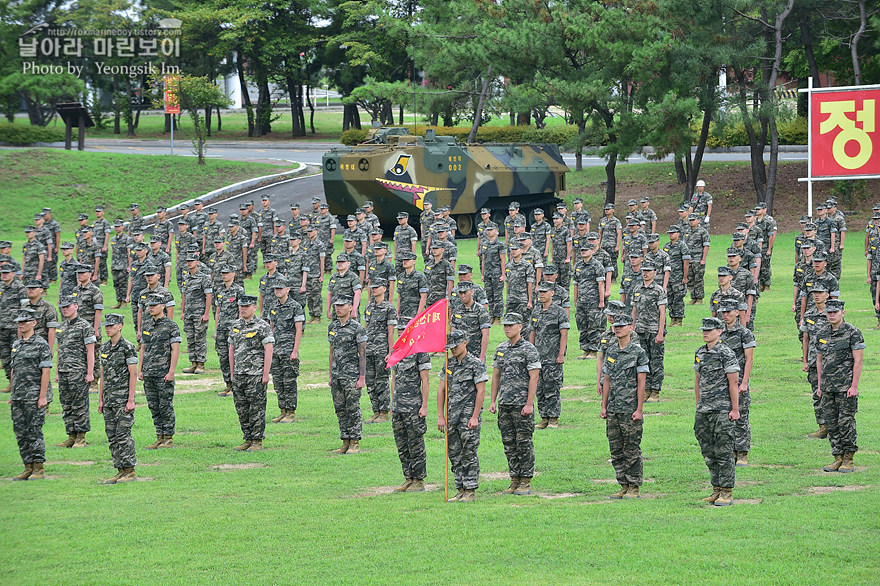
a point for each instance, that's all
(399, 172)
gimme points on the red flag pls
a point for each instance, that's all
(426, 333)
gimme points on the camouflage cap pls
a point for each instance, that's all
(352, 218)
(281, 282)
(66, 300)
(592, 235)
(820, 256)
(557, 216)
(485, 211)
(242, 206)
(737, 236)
(586, 246)
(831, 200)
(118, 222)
(133, 206)
(734, 251)
(7, 268)
(378, 282)
(376, 232)
(8, 244)
(575, 200)
(464, 286)
(244, 300)
(324, 206)
(805, 219)
(402, 215)
(342, 301)
(195, 257)
(810, 226)
(742, 226)
(692, 217)
(653, 238)
(728, 305)
(30, 229)
(465, 268)
(82, 217)
(711, 323)
(725, 271)
(808, 243)
(83, 269)
(514, 205)
(183, 206)
(538, 212)
(67, 245)
(46, 210)
(632, 202)
(645, 199)
(295, 236)
(454, 339)
(35, 284)
(524, 236)
(149, 271)
(267, 258)
(821, 206)
(582, 220)
(550, 269)
(112, 319)
(343, 257)
(635, 254)
(265, 197)
(515, 245)
(280, 223)
(213, 210)
(609, 206)
(818, 286)
(406, 255)
(561, 205)
(368, 204)
(380, 246)
(834, 305)
(183, 221)
(749, 213)
(38, 217)
(622, 319)
(227, 268)
(613, 307)
(683, 208)
(760, 206)
(316, 200)
(544, 287)
(512, 318)
(491, 226)
(875, 216)
(294, 206)
(437, 246)
(141, 246)
(360, 212)
(443, 227)
(648, 266)
(26, 315)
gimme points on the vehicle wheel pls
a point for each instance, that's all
(464, 225)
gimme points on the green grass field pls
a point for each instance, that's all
(297, 514)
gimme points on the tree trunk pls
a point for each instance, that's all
(245, 95)
(219, 120)
(478, 114)
(116, 111)
(208, 111)
(264, 103)
(807, 42)
(610, 179)
(293, 89)
(311, 108)
(854, 45)
(299, 110)
(400, 115)
(693, 170)
(680, 175)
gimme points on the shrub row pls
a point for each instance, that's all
(555, 134)
(26, 134)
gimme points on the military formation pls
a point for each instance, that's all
(533, 272)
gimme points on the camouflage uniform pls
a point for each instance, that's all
(745, 282)
(30, 256)
(73, 338)
(46, 316)
(117, 421)
(119, 264)
(813, 322)
(811, 278)
(438, 275)
(491, 253)
(696, 239)
(834, 258)
(294, 269)
(197, 221)
(732, 294)
(409, 289)
(249, 226)
(515, 361)
(404, 236)
(622, 367)
(226, 302)
(472, 321)
(510, 220)
(825, 227)
(519, 276)
(345, 285)
(285, 371)
(195, 291)
(183, 242)
(11, 297)
(214, 263)
(51, 267)
(6, 259)
(157, 337)
(630, 279)
(102, 231)
(836, 348)
(29, 357)
(160, 260)
(540, 232)
(548, 325)
(426, 221)
(462, 378)
(609, 227)
(211, 230)
(344, 372)
(408, 426)
(377, 318)
(589, 279)
(266, 218)
(768, 227)
(738, 339)
(248, 339)
(136, 224)
(633, 243)
(381, 270)
(712, 426)
(313, 264)
(559, 239)
(141, 300)
(647, 302)
(236, 244)
(267, 291)
(325, 226)
(162, 230)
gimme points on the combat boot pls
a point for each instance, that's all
(877, 327)
(38, 472)
(554, 423)
(545, 421)
(584, 356)
(354, 447)
(256, 446)
(456, 498)
(280, 417)
(633, 492)
(290, 417)
(372, 418)
(848, 464)
(168, 442)
(155, 444)
(343, 448)
(514, 483)
(382, 418)
(467, 496)
(120, 472)
(716, 492)
(624, 488)
(191, 368)
(80, 440)
(418, 485)
(128, 475)
(28, 470)
(404, 486)
(6, 389)
(834, 466)
(200, 368)
(245, 445)
(226, 392)
(68, 443)
(820, 433)
(725, 499)
(651, 397)
(525, 487)
(742, 459)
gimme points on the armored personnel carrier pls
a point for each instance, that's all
(399, 172)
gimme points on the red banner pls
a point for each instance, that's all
(172, 87)
(426, 333)
(845, 133)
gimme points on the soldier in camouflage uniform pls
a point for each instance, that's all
(624, 373)
(226, 296)
(745, 282)
(465, 380)
(102, 230)
(348, 365)
(89, 251)
(839, 350)
(31, 394)
(120, 262)
(814, 320)
(872, 254)
(250, 228)
(835, 254)
(466, 275)
(439, 274)
(658, 257)
(561, 295)
(541, 234)
(47, 239)
(236, 245)
(357, 262)
(588, 299)
(517, 367)
(197, 220)
(380, 317)
(748, 258)
(697, 240)
(55, 230)
(356, 235)
(410, 407)
(344, 283)
(33, 255)
(649, 315)
(382, 268)
(266, 288)
(184, 240)
(548, 332)
(195, 308)
(742, 342)
(631, 278)
(604, 259)
(473, 319)
(6, 258)
(90, 300)
(610, 231)
(266, 216)
(768, 227)
(12, 294)
(212, 230)
(163, 230)
(450, 249)
(520, 279)
(715, 386)
(426, 221)
(136, 221)
(492, 255)
(647, 216)
(512, 217)
(151, 274)
(251, 343)
(817, 274)
(412, 287)
(116, 398)
(701, 203)
(76, 362)
(327, 228)
(313, 266)
(679, 267)
(726, 291)
(45, 314)
(159, 351)
(560, 245)
(218, 258)
(633, 239)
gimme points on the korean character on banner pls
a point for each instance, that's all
(148, 47)
(103, 46)
(50, 46)
(837, 112)
(170, 47)
(72, 47)
(125, 46)
(27, 47)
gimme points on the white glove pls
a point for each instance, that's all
(706, 221)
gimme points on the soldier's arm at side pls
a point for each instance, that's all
(423, 297)
(362, 365)
(267, 360)
(44, 386)
(606, 390)
(641, 378)
(441, 403)
(853, 390)
(697, 387)
(175, 354)
(493, 392)
(805, 350)
(484, 343)
(90, 362)
(132, 387)
(734, 395)
(423, 409)
(563, 344)
(747, 368)
(533, 389)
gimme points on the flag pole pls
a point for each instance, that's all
(446, 417)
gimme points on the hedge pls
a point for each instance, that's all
(26, 134)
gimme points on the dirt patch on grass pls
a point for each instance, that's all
(386, 490)
(144, 479)
(830, 489)
(737, 501)
(770, 466)
(71, 463)
(495, 476)
(246, 466)
(556, 495)
(586, 399)
(654, 414)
